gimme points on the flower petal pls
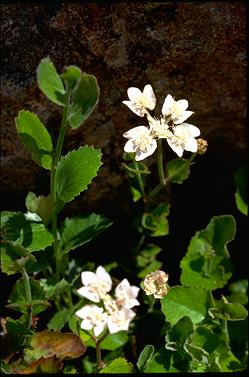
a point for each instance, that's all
(134, 132)
(192, 130)
(123, 285)
(133, 93)
(134, 291)
(99, 329)
(86, 324)
(141, 155)
(182, 104)
(183, 117)
(191, 145)
(88, 277)
(139, 112)
(176, 148)
(87, 292)
(130, 146)
(104, 276)
(168, 102)
(149, 93)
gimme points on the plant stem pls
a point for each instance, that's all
(140, 180)
(160, 162)
(225, 330)
(28, 296)
(98, 342)
(56, 158)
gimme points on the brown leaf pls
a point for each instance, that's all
(62, 345)
(50, 365)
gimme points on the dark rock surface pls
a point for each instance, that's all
(191, 50)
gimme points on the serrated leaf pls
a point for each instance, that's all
(18, 299)
(79, 230)
(155, 222)
(185, 301)
(35, 137)
(206, 263)
(228, 311)
(178, 170)
(241, 195)
(53, 343)
(71, 76)
(14, 257)
(84, 98)
(145, 357)
(29, 233)
(118, 365)
(50, 82)
(76, 171)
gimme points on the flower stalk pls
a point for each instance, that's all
(29, 297)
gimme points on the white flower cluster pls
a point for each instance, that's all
(115, 313)
(142, 140)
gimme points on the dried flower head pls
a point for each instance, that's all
(202, 145)
(155, 284)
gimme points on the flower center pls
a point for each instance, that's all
(143, 141)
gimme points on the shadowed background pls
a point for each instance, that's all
(191, 50)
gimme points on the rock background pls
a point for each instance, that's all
(191, 50)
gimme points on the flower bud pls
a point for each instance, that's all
(202, 145)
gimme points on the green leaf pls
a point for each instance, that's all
(239, 286)
(50, 82)
(76, 171)
(23, 230)
(71, 76)
(178, 334)
(118, 365)
(58, 321)
(35, 137)
(228, 311)
(161, 362)
(84, 98)
(18, 298)
(178, 170)
(14, 257)
(185, 301)
(145, 357)
(79, 230)
(155, 222)
(206, 263)
(41, 205)
(49, 343)
(16, 328)
(110, 343)
(53, 290)
(241, 195)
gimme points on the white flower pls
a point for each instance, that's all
(176, 109)
(159, 128)
(139, 101)
(126, 294)
(96, 285)
(184, 138)
(140, 141)
(93, 317)
(120, 320)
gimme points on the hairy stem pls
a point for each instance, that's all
(56, 158)
(28, 296)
